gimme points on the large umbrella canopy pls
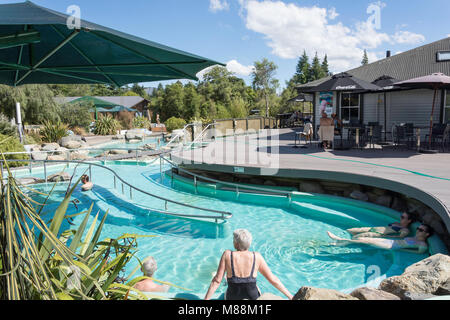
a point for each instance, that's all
(435, 81)
(387, 83)
(38, 46)
(344, 82)
(302, 98)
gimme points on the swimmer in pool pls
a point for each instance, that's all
(87, 185)
(394, 230)
(417, 244)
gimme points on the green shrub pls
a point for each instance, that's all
(76, 115)
(54, 131)
(6, 127)
(141, 123)
(175, 123)
(12, 144)
(106, 125)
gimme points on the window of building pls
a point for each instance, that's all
(350, 107)
(443, 56)
(447, 108)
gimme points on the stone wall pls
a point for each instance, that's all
(386, 198)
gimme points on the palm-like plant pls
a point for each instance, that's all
(54, 131)
(36, 261)
(106, 126)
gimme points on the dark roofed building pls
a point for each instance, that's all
(412, 106)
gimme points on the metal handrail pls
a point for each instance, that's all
(236, 186)
(179, 135)
(223, 214)
(201, 134)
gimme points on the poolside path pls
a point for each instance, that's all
(273, 153)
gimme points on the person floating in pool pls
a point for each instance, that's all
(87, 185)
(417, 244)
(242, 267)
(394, 230)
(149, 267)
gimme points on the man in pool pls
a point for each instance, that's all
(417, 244)
(149, 267)
(87, 185)
(394, 230)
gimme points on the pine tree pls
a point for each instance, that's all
(316, 69)
(325, 66)
(365, 59)
(302, 74)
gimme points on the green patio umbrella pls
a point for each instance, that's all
(38, 46)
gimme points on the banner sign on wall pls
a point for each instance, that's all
(326, 102)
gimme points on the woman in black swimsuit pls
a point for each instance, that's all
(394, 230)
(242, 268)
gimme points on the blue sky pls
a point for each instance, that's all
(240, 32)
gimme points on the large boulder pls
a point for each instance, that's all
(56, 158)
(79, 155)
(63, 141)
(72, 145)
(29, 180)
(118, 137)
(39, 156)
(134, 135)
(424, 277)
(311, 187)
(310, 293)
(358, 195)
(59, 177)
(49, 147)
(149, 146)
(61, 151)
(118, 151)
(373, 294)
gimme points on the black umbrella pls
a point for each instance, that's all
(344, 82)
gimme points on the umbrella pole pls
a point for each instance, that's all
(431, 119)
(385, 117)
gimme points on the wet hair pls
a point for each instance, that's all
(85, 177)
(430, 230)
(242, 239)
(149, 266)
(411, 217)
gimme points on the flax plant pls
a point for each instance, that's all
(39, 261)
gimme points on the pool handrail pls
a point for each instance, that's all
(224, 215)
(235, 186)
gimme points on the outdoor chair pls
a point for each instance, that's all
(437, 133)
(374, 134)
(409, 134)
(399, 135)
(446, 138)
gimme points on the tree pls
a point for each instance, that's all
(263, 79)
(302, 74)
(316, 69)
(325, 66)
(365, 59)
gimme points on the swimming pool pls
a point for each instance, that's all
(290, 236)
(157, 141)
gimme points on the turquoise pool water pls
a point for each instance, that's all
(291, 237)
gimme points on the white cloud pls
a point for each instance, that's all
(218, 5)
(239, 69)
(289, 29)
(406, 37)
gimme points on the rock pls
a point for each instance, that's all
(50, 147)
(72, 145)
(398, 204)
(358, 195)
(438, 226)
(61, 151)
(384, 200)
(270, 183)
(59, 177)
(79, 156)
(310, 293)
(418, 296)
(134, 141)
(444, 290)
(29, 180)
(118, 151)
(118, 137)
(56, 158)
(133, 135)
(35, 148)
(424, 277)
(63, 141)
(149, 146)
(373, 294)
(311, 187)
(36, 155)
(372, 196)
(269, 296)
